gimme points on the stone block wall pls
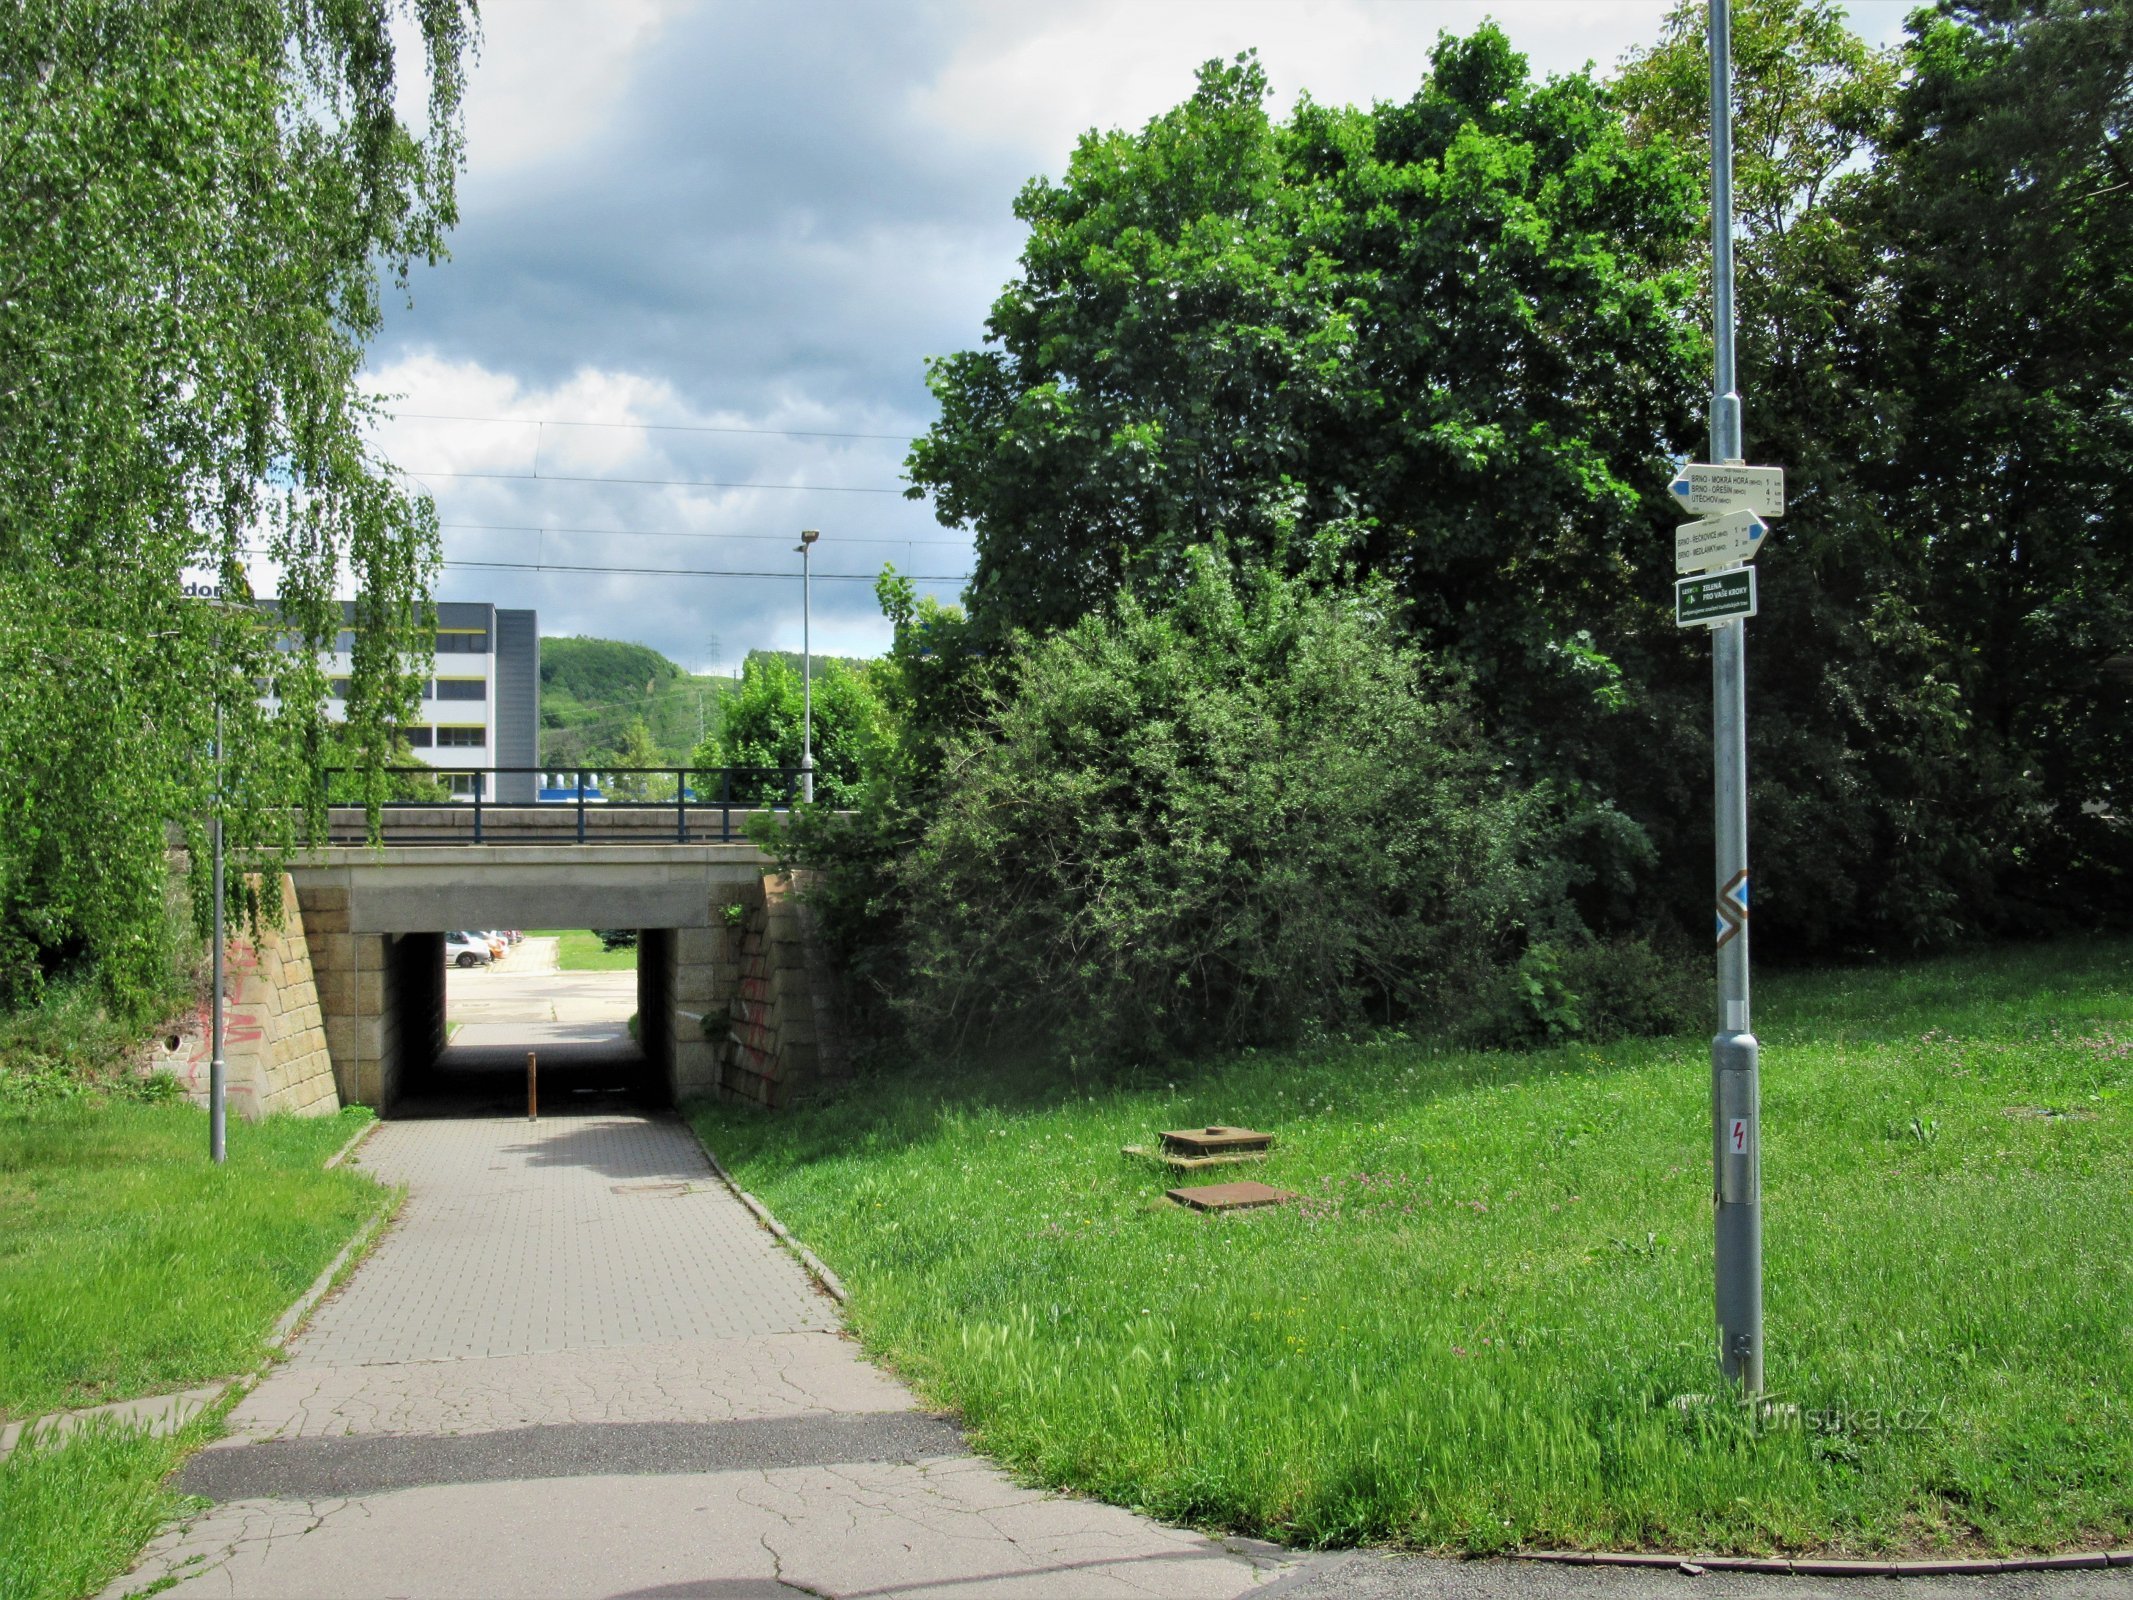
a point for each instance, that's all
(274, 1036)
(781, 1036)
(381, 996)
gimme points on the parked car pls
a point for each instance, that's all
(467, 950)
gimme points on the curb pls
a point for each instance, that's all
(1809, 1567)
(167, 1413)
(832, 1285)
(349, 1148)
(290, 1320)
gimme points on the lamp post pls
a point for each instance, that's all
(217, 1068)
(808, 536)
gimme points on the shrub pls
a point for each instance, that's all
(1235, 814)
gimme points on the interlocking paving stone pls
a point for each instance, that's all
(576, 1365)
(516, 1241)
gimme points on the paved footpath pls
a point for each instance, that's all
(576, 1366)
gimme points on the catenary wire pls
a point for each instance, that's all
(655, 483)
(679, 533)
(649, 427)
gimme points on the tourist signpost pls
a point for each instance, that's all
(1722, 600)
(1707, 489)
(1722, 541)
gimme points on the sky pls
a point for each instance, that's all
(706, 248)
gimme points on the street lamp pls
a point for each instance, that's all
(217, 1067)
(808, 536)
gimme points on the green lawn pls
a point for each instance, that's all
(129, 1265)
(75, 1512)
(578, 950)
(1472, 1331)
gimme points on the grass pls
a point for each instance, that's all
(130, 1266)
(578, 950)
(74, 1512)
(1472, 1331)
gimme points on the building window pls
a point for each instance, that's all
(462, 737)
(418, 738)
(462, 688)
(461, 785)
(342, 688)
(470, 643)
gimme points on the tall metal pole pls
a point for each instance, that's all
(217, 1069)
(808, 536)
(1736, 1142)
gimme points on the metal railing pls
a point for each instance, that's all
(581, 805)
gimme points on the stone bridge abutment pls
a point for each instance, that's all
(733, 998)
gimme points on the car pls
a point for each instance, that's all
(467, 950)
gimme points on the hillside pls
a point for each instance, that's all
(593, 689)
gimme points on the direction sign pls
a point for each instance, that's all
(1712, 597)
(1708, 490)
(1718, 541)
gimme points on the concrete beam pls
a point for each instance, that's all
(410, 889)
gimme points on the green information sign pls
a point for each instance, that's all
(1715, 596)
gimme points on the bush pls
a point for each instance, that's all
(1236, 816)
(1590, 989)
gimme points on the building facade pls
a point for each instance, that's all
(481, 706)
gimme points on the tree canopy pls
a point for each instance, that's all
(1455, 343)
(199, 198)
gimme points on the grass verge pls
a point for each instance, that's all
(578, 950)
(129, 1265)
(1472, 1331)
(75, 1511)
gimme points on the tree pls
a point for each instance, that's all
(761, 727)
(1445, 337)
(2005, 213)
(1934, 321)
(199, 196)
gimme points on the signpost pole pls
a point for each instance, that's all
(1735, 1089)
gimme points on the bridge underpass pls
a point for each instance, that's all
(375, 921)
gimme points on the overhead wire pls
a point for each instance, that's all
(654, 483)
(680, 533)
(649, 427)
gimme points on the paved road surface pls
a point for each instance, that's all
(523, 1001)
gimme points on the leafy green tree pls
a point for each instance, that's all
(636, 749)
(199, 197)
(762, 725)
(2005, 212)
(1218, 818)
(1933, 305)
(1445, 337)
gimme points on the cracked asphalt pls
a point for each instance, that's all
(576, 1366)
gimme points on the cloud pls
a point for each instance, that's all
(765, 216)
(708, 504)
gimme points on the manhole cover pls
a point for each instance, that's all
(1215, 1140)
(1231, 1196)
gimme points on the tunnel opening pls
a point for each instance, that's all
(504, 996)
